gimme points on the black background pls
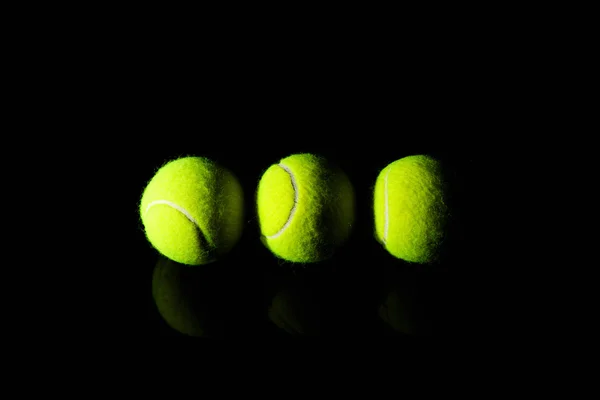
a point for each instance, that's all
(134, 103)
(341, 296)
(247, 122)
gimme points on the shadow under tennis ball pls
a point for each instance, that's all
(398, 311)
(300, 309)
(187, 298)
(405, 300)
(419, 300)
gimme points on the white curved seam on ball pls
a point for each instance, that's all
(293, 211)
(386, 204)
(175, 206)
(184, 212)
(181, 210)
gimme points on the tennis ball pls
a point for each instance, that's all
(410, 210)
(305, 208)
(192, 210)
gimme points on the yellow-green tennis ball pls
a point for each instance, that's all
(192, 210)
(410, 209)
(305, 208)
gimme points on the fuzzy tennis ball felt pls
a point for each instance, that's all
(305, 208)
(192, 210)
(410, 209)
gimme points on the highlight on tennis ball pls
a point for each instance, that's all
(410, 209)
(192, 210)
(305, 208)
